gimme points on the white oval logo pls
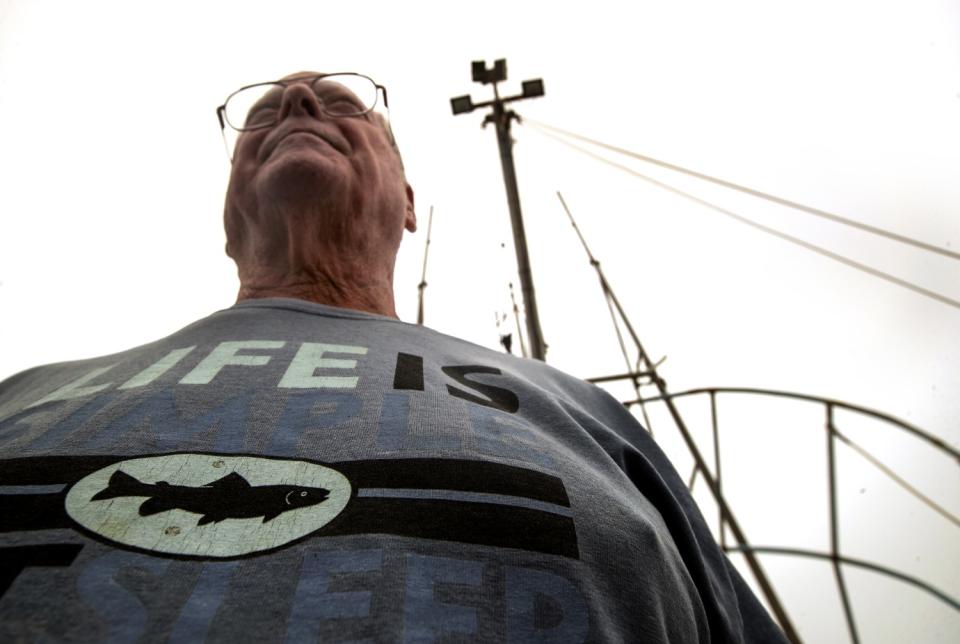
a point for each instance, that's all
(208, 505)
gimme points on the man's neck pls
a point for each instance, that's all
(370, 297)
(333, 256)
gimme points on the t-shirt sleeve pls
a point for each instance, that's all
(732, 609)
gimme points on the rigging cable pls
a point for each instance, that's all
(930, 503)
(636, 368)
(771, 231)
(755, 193)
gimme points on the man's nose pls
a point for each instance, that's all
(299, 100)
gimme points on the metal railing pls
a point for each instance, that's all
(834, 555)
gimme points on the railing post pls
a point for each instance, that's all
(716, 464)
(834, 527)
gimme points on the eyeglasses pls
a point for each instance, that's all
(343, 94)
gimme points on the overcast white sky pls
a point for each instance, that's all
(113, 174)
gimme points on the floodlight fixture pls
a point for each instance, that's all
(461, 104)
(499, 70)
(532, 88)
(479, 70)
(482, 74)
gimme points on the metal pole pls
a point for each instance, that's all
(423, 277)
(726, 514)
(501, 119)
(516, 319)
(752, 562)
(835, 527)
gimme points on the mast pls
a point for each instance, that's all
(502, 118)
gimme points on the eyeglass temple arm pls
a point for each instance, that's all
(223, 133)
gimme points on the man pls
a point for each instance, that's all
(304, 466)
(316, 206)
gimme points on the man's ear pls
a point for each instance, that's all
(410, 219)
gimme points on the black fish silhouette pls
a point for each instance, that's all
(231, 497)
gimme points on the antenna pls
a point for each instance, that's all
(712, 482)
(516, 317)
(423, 278)
(502, 118)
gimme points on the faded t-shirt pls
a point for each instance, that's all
(286, 471)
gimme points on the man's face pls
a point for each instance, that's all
(341, 173)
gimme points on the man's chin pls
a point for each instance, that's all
(300, 179)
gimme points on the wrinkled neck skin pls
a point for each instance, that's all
(312, 254)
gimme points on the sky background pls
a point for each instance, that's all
(113, 174)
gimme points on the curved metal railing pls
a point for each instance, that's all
(833, 434)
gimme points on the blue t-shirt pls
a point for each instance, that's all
(287, 471)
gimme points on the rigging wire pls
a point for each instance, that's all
(693, 477)
(616, 327)
(897, 479)
(626, 357)
(756, 193)
(643, 408)
(771, 231)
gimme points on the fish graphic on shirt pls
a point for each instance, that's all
(230, 497)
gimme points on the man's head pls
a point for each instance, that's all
(317, 202)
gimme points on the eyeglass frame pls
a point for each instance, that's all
(221, 110)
